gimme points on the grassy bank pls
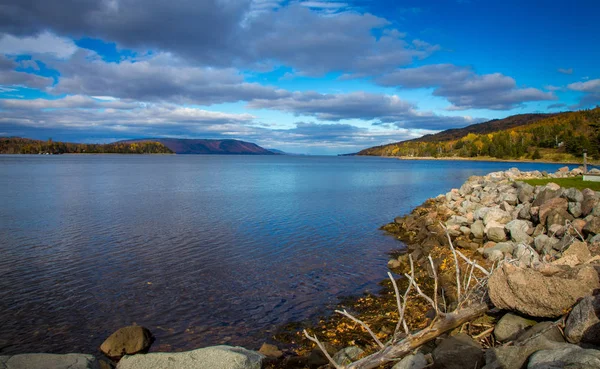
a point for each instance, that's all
(575, 182)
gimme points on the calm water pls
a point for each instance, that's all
(200, 249)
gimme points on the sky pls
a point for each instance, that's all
(302, 76)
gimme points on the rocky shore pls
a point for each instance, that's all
(542, 244)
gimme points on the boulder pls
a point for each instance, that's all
(457, 352)
(414, 361)
(554, 204)
(558, 216)
(545, 196)
(578, 250)
(525, 192)
(588, 204)
(592, 227)
(578, 224)
(539, 230)
(477, 229)
(543, 243)
(127, 341)
(510, 326)
(566, 356)
(49, 361)
(215, 357)
(526, 255)
(531, 293)
(583, 323)
(556, 230)
(511, 199)
(496, 234)
(515, 357)
(525, 212)
(575, 209)
(347, 355)
(548, 330)
(518, 231)
(497, 215)
(573, 195)
(502, 247)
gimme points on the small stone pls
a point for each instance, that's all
(496, 234)
(127, 341)
(510, 326)
(270, 350)
(416, 361)
(347, 355)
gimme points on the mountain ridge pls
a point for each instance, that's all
(191, 146)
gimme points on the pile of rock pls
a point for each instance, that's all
(545, 290)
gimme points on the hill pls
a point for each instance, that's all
(554, 137)
(209, 147)
(18, 145)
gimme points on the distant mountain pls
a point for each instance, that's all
(18, 145)
(279, 152)
(209, 147)
(554, 137)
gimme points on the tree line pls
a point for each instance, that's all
(17, 145)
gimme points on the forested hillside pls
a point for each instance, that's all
(17, 145)
(557, 137)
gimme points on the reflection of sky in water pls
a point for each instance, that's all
(231, 246)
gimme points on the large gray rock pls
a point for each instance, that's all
(510, 326)
(532, 293)
(502, 248)
(588, 204)
(416, 361)
(347, 355)
(583, 324)
(477, 229)
(457, 352)
(525, 192)
(526, 255)
(544, 244)
(566, 356)
(515, 357)
(558, 217)
(127, 341)
(574, 195)
(49, 361)
(575, 209)
(496, 234)
(216, 357)
(497, 215)
(592, 227)
(546, 195)
(518, 231)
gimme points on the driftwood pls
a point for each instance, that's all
(472, 303)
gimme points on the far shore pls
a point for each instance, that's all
(492, 159)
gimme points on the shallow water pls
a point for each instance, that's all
(200, 249)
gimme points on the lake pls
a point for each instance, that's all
(201, 250)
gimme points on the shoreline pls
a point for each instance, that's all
(491, 159)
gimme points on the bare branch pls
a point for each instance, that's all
(471, 262)
(323, 349)
(435, 287)
(362, 324)
(458, 294)
(401, 305)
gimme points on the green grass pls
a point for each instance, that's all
(576, 182)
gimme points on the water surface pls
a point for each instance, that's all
(201, 250)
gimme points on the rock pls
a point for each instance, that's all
(49, 361)
(526, 255)
(575, 209)
(573, 195)
(393, 264)
(525, 193)
(592, 227)
(545, 196)
(494, 255)
(515, 357)
(543, 243)
(496, 215)
(525, 212)
(567, 356)
(270, 350)
(531, 293)
(415, 361)
(477, 229)
(579, 250)
(347, 355)
(457, 352)
(556, 230)
(511, 199)
(501, 247)
(578, 224)
(127, 341)
(539, 230)
(496, 234)
(583, 323)
(552, 186)
(518, 231)
(563, 169)
(588, 204)
(557, 203)
(465, 230)
(215, 357)
(457, 220)
(548, 330)
(558, 216)
(510, 326)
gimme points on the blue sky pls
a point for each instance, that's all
(318, 77)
